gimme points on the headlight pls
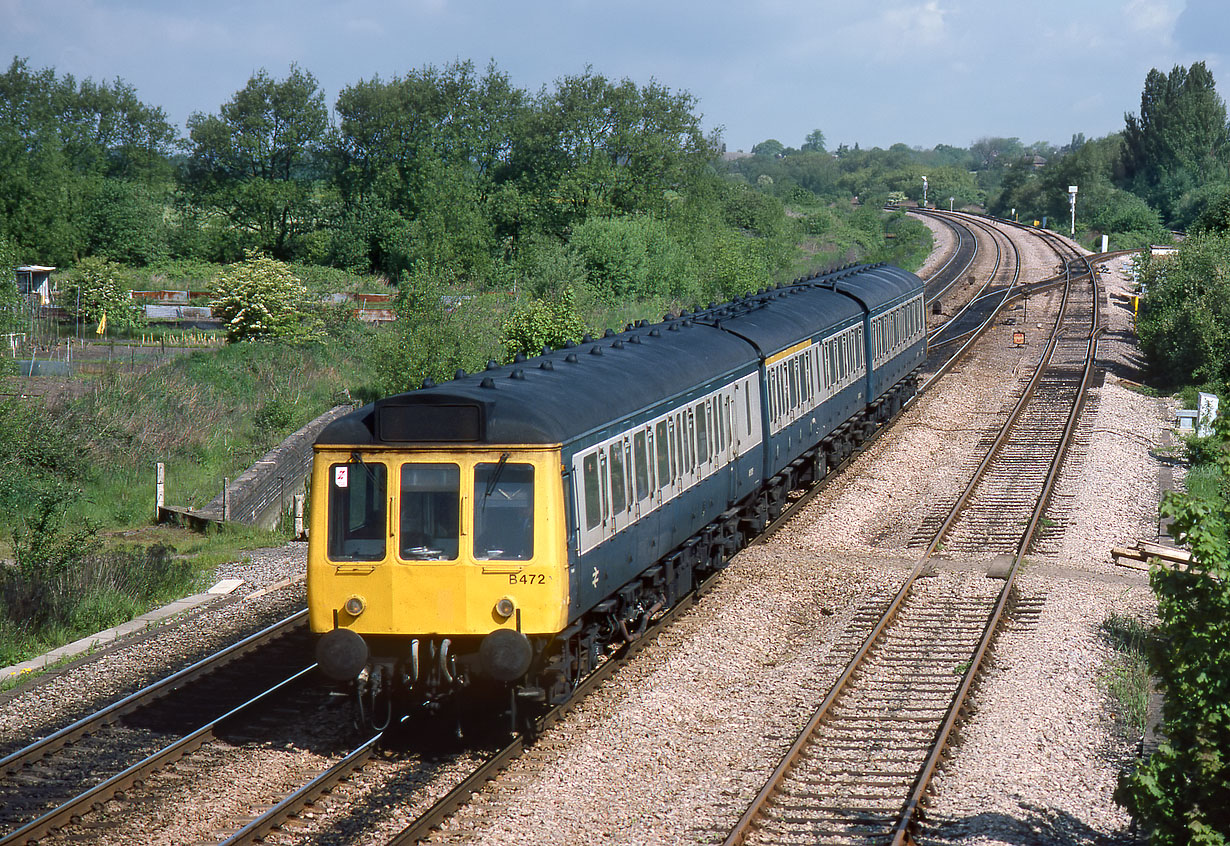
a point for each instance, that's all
(354, 606)
(505, 607)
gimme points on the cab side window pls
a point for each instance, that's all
(357, 511)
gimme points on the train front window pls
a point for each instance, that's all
(430, 496)
(356, 511)
(503, 512)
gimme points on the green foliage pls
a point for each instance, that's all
(1128, 680)
(814, 142)
(1180, 140)
(96, 288)
(535, 323)
(437, 333)
(260, 298)
(1183, 323)
(252, 162)
(1182, 792)
(771, 148)
(631, 258)
(59, 139)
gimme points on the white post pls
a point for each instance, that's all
(226, 499)
(924, 192)
(160, 490)
(1105, 243)
(299, 516)
(1072, 204)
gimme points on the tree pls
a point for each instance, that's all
(772, 148)
(814, 142)
(1180, 139)
(60, 142)
(254, 161)
(260, 298)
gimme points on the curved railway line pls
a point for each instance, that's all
(924, 637)
(859, 770)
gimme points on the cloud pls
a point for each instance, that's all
(920, 24)
(1152, 17)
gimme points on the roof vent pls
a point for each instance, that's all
(587, 338)
(546, 349)
(596, 351)
(571, 358)
(667, 316)
(635, 339)
(618, 345)
(492, 365)
(518, 358)
(546, 365)
(686, 324)
(428, 383)
(460, 374)
(487, 382)
(674, 327)
(517, 374)
(655, 333)
(609, 333)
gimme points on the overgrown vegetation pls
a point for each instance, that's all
(1127, 680)
(1181, 794)
(1184, 321)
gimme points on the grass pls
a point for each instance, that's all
(1127, 681)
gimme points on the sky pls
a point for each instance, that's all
(871, 72)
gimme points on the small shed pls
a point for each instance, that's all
(34, 279)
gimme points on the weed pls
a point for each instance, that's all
(1128, 681)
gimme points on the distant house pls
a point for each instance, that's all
(735, 156)
(34, 279)
(1035, 162)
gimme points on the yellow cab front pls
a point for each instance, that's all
(437, 542)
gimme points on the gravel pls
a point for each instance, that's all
(673, 747)
(75, 692)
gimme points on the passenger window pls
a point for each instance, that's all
(619, 484)
(794, 386)
(689, 445)
(677, 465)
(640, 459)
(702, 435)
(662, 442)
(357, 511)
(430, 500)
(593, 491)
(503, 512)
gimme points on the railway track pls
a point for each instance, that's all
(261, 825)
(60, 778)
(859, 770)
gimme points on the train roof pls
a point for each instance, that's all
(574, 391)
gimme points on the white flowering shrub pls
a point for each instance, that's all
(260, 298)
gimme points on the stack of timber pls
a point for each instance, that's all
(1139, 556)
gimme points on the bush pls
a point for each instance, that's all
(260, 298)
(1182, 792)
(536, 323)
(97, 291)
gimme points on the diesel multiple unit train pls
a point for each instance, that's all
(491, 538)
